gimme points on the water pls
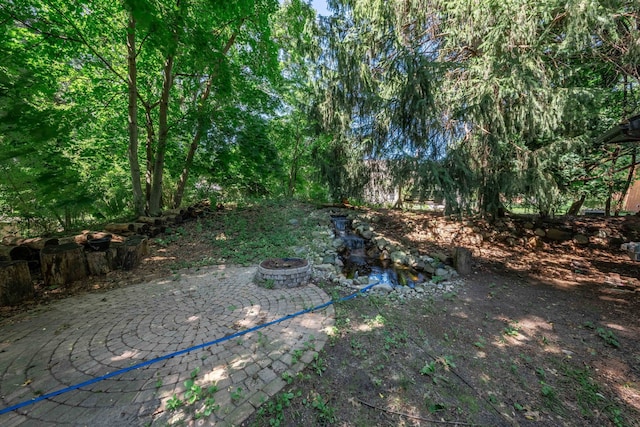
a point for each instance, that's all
(358, 264)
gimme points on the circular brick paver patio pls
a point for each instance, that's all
(87, 336)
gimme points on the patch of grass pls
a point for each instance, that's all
(590, 398)
(249, 235)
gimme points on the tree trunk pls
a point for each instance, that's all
(15, 282)
(184, 176)
(627, 185)
(614, 159)
(63, 264)
(132, 252)
(155, 198)
(201, 128)
(575, 207)
(293, 171)
(98, 263)
(138, 198)
(398, 202)
(462, 260)
(151, 140)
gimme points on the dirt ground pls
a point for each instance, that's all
(546, 335)
(543, 336)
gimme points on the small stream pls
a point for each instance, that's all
(359, 258)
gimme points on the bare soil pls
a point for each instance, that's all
(544, 335)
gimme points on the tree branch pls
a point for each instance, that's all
(415, 417)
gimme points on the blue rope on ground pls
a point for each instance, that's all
(177, 353)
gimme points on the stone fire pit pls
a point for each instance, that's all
(279, 273)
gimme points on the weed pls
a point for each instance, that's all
(269, 284)
(237, 394)
(609, 337)
(356, 348)
(262, 339)
(448, 296)
(480, 343)
(193, 394)
(590, 399)
(318, 364)
(274, 408)
(174, 403)
(297, 354)
(589, 325)
(287, 377)
(396, 340)
(436, 407)
(437, 279)
(326, 413)
(512, 329)
(428, 368)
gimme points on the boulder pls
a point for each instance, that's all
(540, 232)
(398, 257)
(558, 235)
(581, 239)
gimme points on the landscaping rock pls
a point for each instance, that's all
(398, 257)
(581, 239)
(558, 235)
(382, 288)
(367, 234)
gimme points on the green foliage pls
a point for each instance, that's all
(609, 337)
(198, 401)
(480, 104)
(273, 409)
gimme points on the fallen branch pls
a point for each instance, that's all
(416, 417)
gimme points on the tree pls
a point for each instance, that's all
(168, 57)
(481, 101)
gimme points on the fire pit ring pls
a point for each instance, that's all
(277, 273)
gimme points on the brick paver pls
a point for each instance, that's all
(87, 336)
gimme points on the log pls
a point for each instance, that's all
(99, 263)
(177, 212)
(11, 240)
(172, 219)
(63, 264)
(133, 250)
(139, 227)
(15, 282)
(118, 228)
(25, 253)
(5, 252)
(154, 231)
(38, 243)
(462, 260)
(102, 235)
(114, 255)
(154, 221)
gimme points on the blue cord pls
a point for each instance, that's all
(177, 353)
